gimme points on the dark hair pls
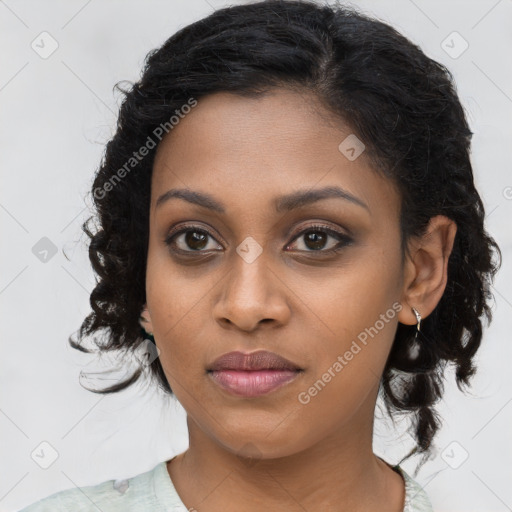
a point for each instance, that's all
(400, 103)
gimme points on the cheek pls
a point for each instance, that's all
(176, 310)
(176, 296)
(359, 316)
(344, 380)
(357, 297)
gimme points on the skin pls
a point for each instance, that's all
(273, 452)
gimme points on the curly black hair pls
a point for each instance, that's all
(400, 103)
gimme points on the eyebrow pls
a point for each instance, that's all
(281, 204)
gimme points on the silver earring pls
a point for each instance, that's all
(418, 318)
(414, 348)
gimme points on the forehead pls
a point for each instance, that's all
(239, 149)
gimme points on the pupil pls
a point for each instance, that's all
(195, 240)
(318, 241)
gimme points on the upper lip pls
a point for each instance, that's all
(259, 360)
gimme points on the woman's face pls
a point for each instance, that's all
(248, 276)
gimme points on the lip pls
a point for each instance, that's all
(259, 360)
(252, 375)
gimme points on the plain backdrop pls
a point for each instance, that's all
(57, 112)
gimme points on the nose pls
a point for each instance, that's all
(252, 294)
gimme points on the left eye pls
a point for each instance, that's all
(315, 239)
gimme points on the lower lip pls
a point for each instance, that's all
(252, 383)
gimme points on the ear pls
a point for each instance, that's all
(145, 320)
(426, 269)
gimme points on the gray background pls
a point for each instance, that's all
(57, 114)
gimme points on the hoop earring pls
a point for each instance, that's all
(414, 347)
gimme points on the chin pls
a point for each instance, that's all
(259, 446)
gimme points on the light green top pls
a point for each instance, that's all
(155, 491)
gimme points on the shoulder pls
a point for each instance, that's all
(416, 499)
(136, 493)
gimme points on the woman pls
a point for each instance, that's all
(288, 212)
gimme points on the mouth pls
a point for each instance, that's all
(252, 375)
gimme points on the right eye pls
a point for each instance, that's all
(189, 240)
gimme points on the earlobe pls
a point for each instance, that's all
(426, 274)
(145, 320)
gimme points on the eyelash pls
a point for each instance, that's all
(344, 240)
